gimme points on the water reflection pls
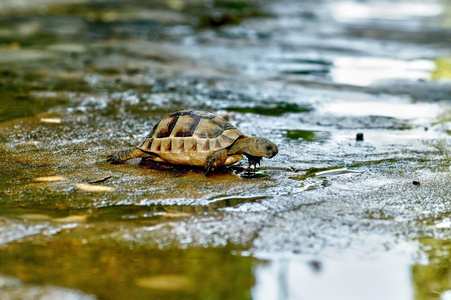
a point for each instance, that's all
(289, 278)
(400, 10)
(394, 107)
(364, 71)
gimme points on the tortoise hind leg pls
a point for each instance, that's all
(121, 156)
(215, 160)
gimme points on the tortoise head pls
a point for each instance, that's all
(264, 148)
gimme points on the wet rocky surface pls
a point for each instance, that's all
(331, 216)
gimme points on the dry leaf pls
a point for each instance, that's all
(34, 217)
(51, 120)
(100, 180)
(176, 215)
(93, 188)
(49, 179)
(169, 282)
(70, 219)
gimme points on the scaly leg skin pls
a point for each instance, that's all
(121, 156)
(215, 160)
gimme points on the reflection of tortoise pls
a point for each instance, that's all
(198, 138)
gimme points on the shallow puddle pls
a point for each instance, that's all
(385, 277)
(114, 272)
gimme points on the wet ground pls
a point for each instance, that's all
(332, 216)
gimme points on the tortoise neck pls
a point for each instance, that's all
(244, 146)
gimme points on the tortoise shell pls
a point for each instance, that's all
(189, 137)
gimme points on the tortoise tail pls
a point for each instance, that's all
(121, 156)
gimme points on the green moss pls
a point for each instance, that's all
(39, 39)
(442, 69)
(434, 278)
(269, 109)
(229, 12)
(71, 85)
(306, 135)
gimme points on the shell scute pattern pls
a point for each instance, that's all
(165, 127)
(205, 129)
(186, 126)
(178, 145)
(190, 144)
(190, 137)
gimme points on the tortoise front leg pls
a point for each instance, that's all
(253, 160)
(215, 160)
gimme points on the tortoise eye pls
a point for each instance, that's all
(268, 147)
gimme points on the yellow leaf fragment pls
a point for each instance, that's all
(34, 217)
(71, 219)
(93, 188)
(51, 120)
(49, 179)
(176, 4)
(176, 215)
(169, 282)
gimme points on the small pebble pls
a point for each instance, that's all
(316, 265)
(416, 182)
(359, 137)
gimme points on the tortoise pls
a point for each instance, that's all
(198, 138)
